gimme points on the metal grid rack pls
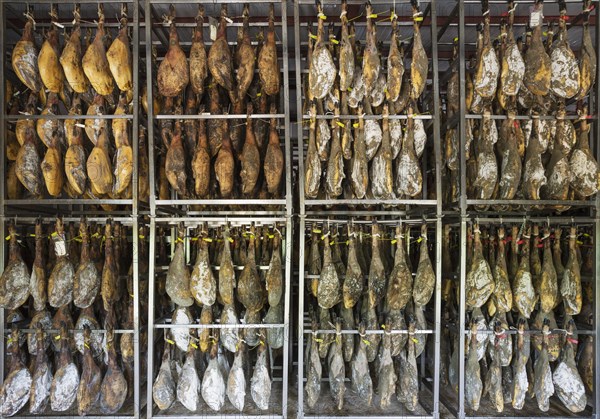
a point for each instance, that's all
(322, 211)
(279, 370)
(465, 16)
(216, 212)
(261, 207)
(26, 211)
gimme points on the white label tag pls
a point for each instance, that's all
(536, 18)
(212, 22)
(60, 248)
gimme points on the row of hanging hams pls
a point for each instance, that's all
(521, 281)
(220, 158)
(61, 79)
(544, 156)
(79, 291)
(376, 158)
(64, 71)
(364, 283)
(250, 297)
(53, 157)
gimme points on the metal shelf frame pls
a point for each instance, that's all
(282, 204)
(463, 212)
(71, 209)
(323, 210)
(236, 212)
(156, 326)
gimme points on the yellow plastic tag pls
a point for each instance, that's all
(334, 41)
(355, 125)
(194, 345)
(349, 89)
(259, 94)
(420, 239)
(373, 15)
(57, 337)
(313, 36)
(456, 39)
(194, 239)
(169, 341)
(179, 240)
(316, 231)
(579, 242)
(271, 236)
(341, 124)
(347, 242)
(230, 239)
(78, 239)
(415, 340)
(394, 241)
(366, 342)
(7, 237)
(207, 239)
(95, 235)
(31, 235)
(322, 16)
(54, 234)
(141, 236)
(419, 19)
(86, 345)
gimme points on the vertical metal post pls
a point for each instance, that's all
(463, 210)
(150, 353)
(3, 171)
(288, 208)
(299, 115)
(302, 236)
(594, 110)
(438, 224)
(150, 99)
(152, 199)
(135, 226)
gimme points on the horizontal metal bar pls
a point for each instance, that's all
(218, 268)
(236, 213)
(32, 220)
(222, 116)
(424, 117)
(529, 117)
(87, 417)
(370, 417)
(68, 201)
(359, 2)
(71, 2)
(531, 332)
(213, 202)
(219, 220)
(220, 326)
(54, 116)
(224, 416)
(419, 202)
(33, 331)
(369, 332)
(527, 202)
(207, 1)
(392, 222)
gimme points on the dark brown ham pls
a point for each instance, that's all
(274, 160)
(219, 55)
(173, 73)
(113, 390)
(87, 278)
(109, 288)
(198, 58)
(268, 64)
(88, 392)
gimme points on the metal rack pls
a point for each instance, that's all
(343, 210)
(27, 210)
(218, 212)
(466, 14)
(274, 207)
